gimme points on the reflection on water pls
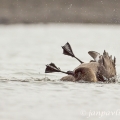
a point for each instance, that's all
(30, 94)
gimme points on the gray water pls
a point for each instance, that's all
(27, 93)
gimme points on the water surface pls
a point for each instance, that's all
(27, 93)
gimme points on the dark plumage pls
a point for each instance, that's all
(102, 68)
